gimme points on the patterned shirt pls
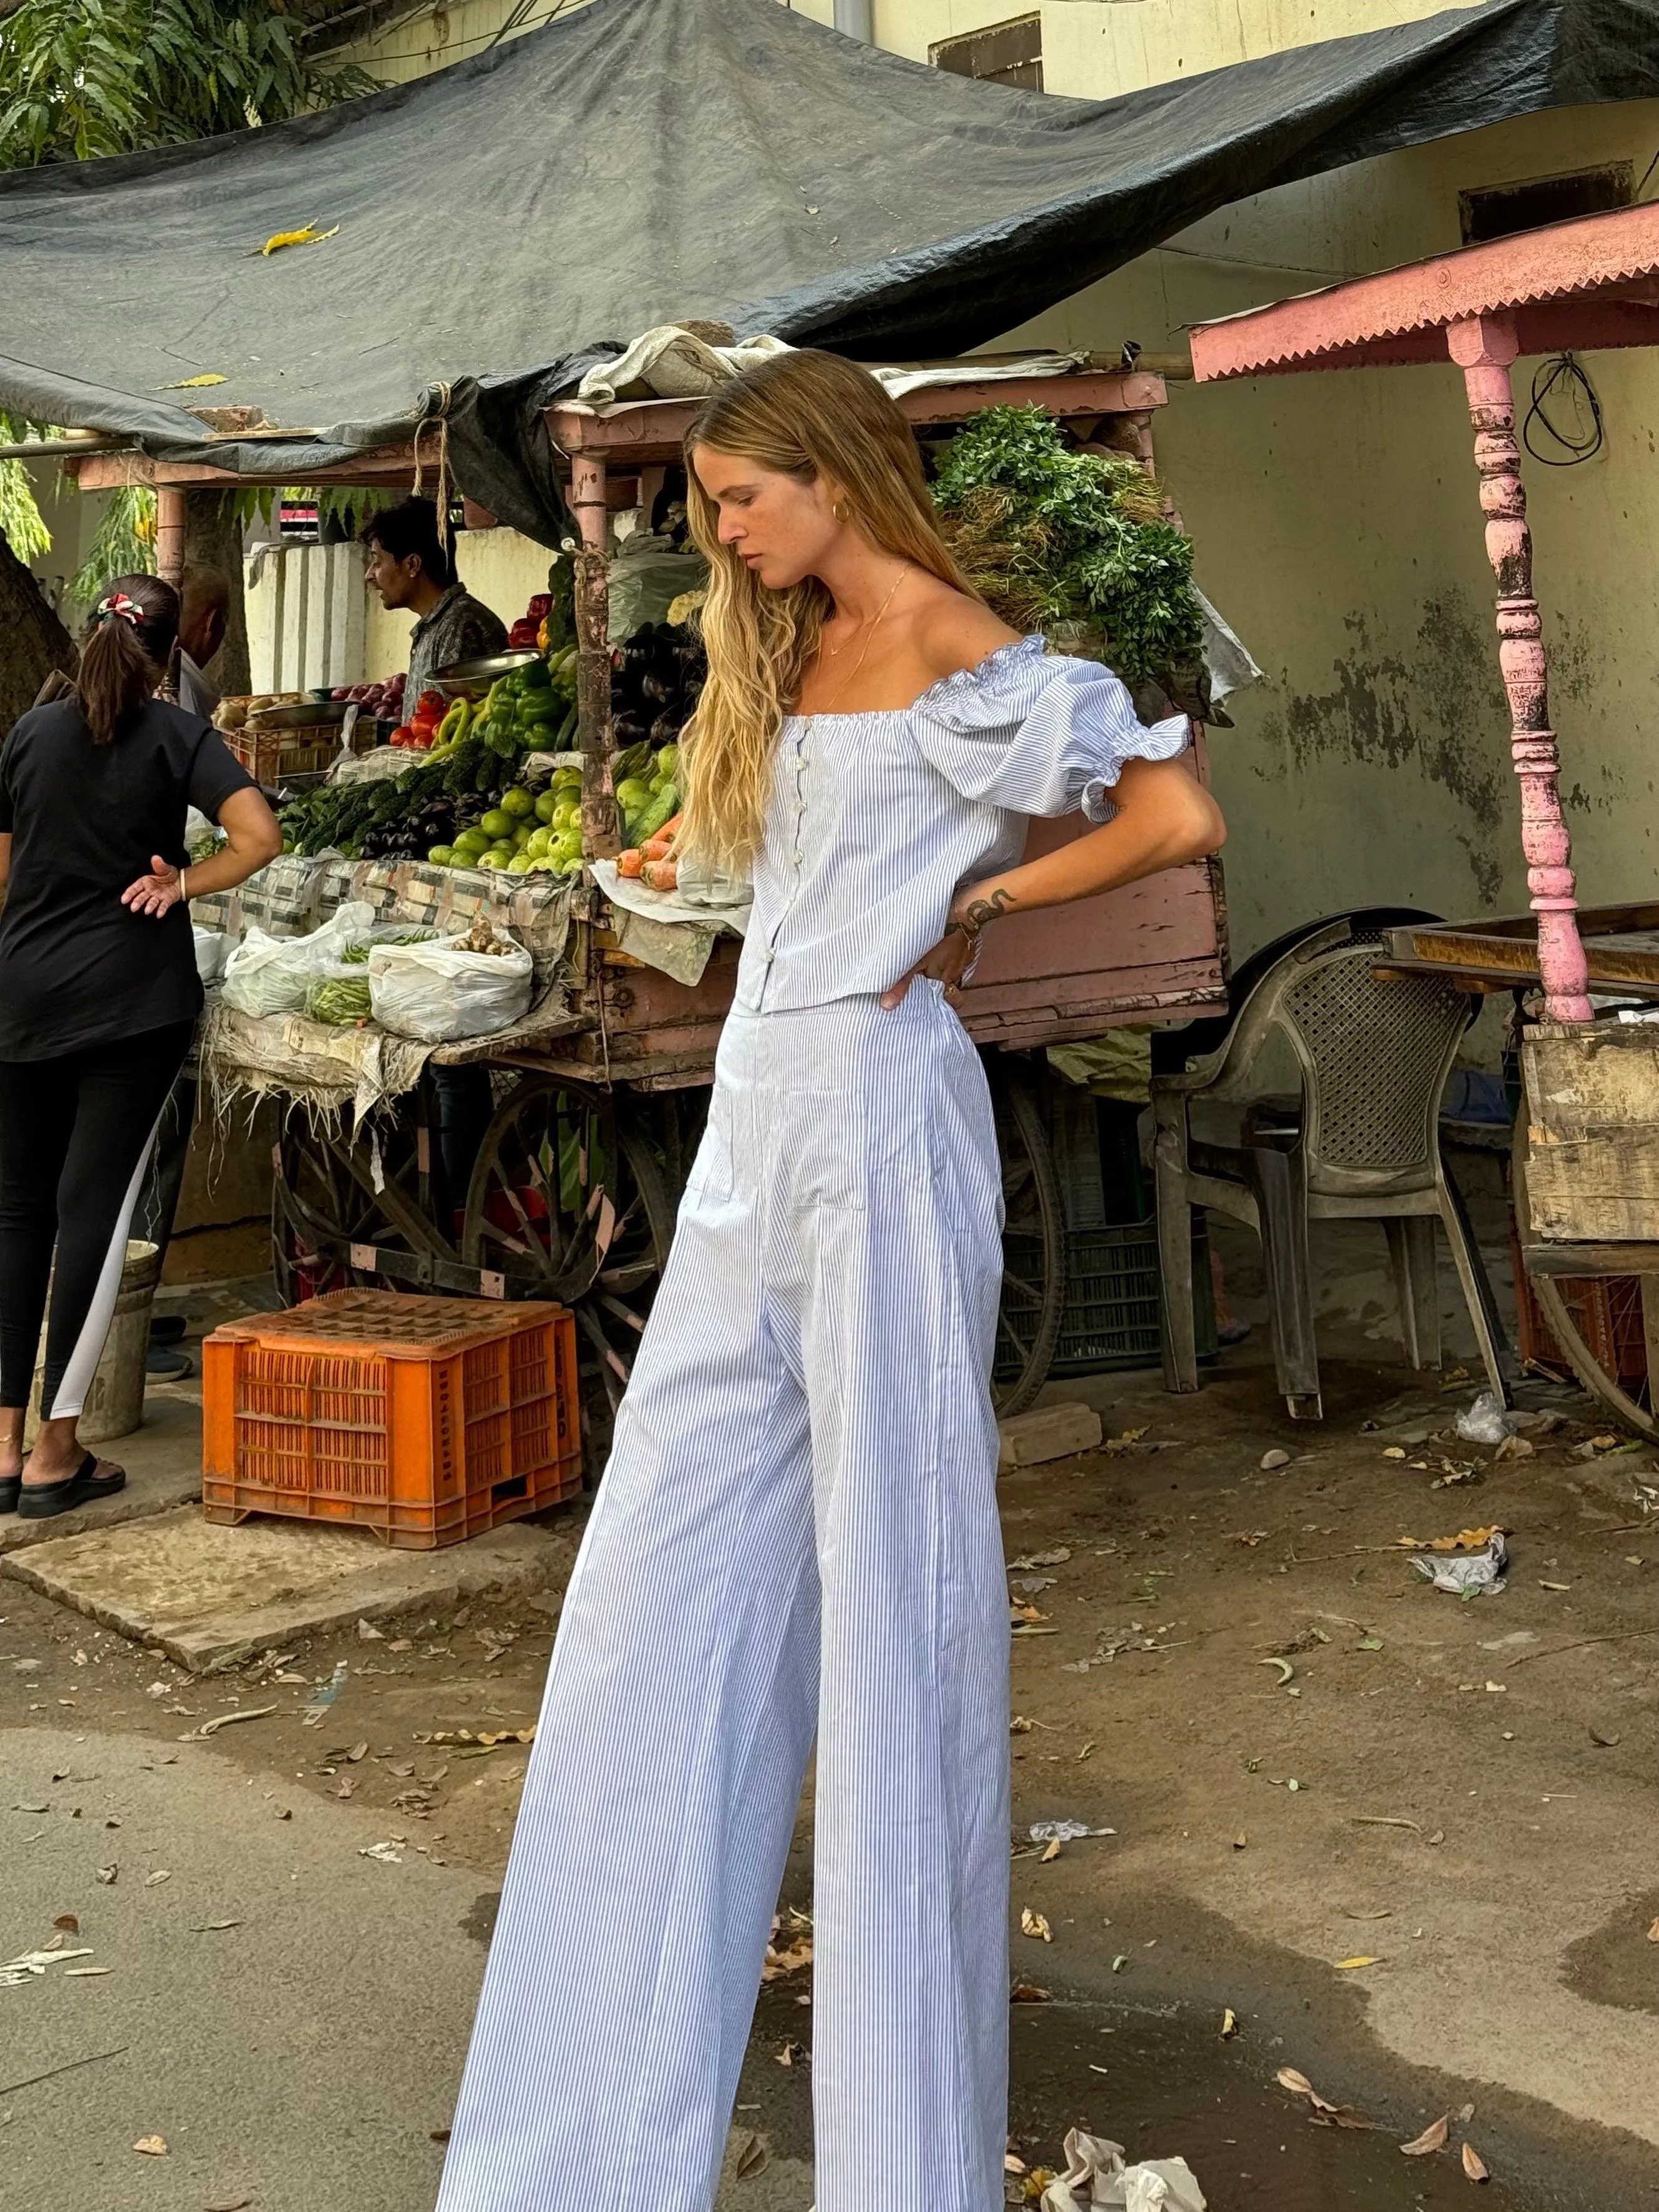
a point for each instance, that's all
(459, 627)
(875, 818)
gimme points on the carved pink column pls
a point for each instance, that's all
(1483, 347)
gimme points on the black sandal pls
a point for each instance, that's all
(11, 1487)
(37, 1501)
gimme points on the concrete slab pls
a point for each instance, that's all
(163, 1461)
(210, 1596)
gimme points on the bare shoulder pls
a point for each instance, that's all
(952, 631)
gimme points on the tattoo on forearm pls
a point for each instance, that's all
(980, 911)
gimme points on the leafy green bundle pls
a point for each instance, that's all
(1048, 534)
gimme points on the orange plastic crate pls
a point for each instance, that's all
(427, 1419)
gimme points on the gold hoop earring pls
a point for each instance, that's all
(838, 510)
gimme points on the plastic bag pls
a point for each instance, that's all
(1486, 1423)
(213, 948)
(442, 992)
(645, 578)
(270, 975)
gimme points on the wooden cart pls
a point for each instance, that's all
(580, 1169)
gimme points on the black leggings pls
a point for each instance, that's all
(76, 1134)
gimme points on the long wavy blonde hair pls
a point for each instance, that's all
(803, 414)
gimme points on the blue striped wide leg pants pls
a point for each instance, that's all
(797, 1533)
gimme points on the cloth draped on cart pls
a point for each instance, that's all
(798, 1530)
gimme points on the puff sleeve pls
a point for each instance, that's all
(1038, 732)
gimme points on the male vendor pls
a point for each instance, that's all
(409, 567)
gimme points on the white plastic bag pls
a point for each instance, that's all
(270, 975)
(213, 949)
(442, 992)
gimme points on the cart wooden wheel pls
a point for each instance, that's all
(1630, 1301)
(331, 1228)
(568, 1200)
(1033, 1247)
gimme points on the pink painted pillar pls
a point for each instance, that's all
(1483, 347)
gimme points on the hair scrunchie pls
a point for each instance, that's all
(117, 603)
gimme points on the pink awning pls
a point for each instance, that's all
(1575, 287)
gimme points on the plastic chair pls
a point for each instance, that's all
(1362, 1142)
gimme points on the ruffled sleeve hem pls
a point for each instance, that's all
(1038, 732)
(1161, 741)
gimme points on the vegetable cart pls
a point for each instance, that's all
(597, 1109)
(1586, 1188)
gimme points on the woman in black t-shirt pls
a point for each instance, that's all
(98, 996)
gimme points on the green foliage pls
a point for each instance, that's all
(1050, 534)
(124, 544)
(21, 523)
(81, 78)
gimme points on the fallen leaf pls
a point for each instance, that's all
(1298, 2084)
(1120, 1962)
(1653, 1933)
(68, 1923)
(161, 1874)
(1019, 1725)
(152, 2145)
(1473, 2165)
(1287, 1673)
(1012, 2165)
(1240, 1840)
(1432, 2138)
(1270, 1460)
(1229, 2023)
(192, 383)
(213, 1927)
(1027, 1993)
(1555, 1586)
(1369, 1643)
(241, 2203)
(80, 1973)
(1053, 1852)
(346, 1784)
(778, 1963)
(1466, 1540)
(1393, 1451)
(752, 2159)
(357, 1751)
(1363, 1959)
(306, 235)
(787, 2056)
(1034, 1923)
(108, 1873)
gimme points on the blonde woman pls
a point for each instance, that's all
(797, 1535)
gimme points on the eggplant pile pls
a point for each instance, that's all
(656, 679)
(407, 837)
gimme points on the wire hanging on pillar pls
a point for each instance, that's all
(1561, 374)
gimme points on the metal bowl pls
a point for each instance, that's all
(486, 670)
(305, 716)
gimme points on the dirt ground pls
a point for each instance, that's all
(1404, 1839)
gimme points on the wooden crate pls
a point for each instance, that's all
(1593, 1146)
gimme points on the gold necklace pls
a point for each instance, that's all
(868, 643)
